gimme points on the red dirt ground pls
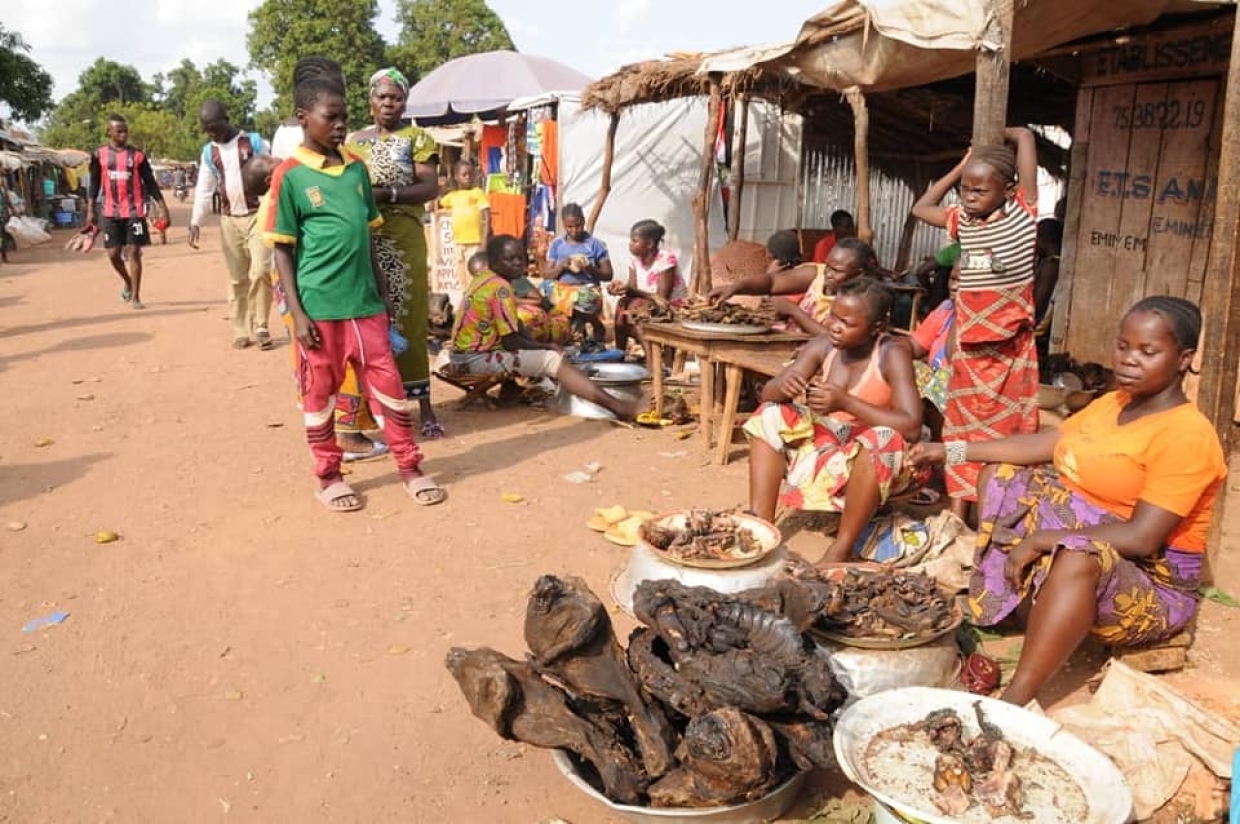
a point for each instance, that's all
(241, 654)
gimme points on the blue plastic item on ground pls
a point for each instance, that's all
(602, 356)
(46, 621)
(1234, 818)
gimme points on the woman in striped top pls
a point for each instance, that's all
(993, 387)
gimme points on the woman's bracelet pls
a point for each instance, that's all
(955, 452)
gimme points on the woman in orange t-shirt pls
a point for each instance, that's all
(1105, 519)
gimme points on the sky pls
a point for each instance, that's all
(594, 36)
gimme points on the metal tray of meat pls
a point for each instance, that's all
(724, 328)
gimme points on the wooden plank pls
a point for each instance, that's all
(1201, 243)
(1181, 186)
(1136, 180)
(1077, 183)
(1190, 51)
(604, 186)
(1102, 203)
(1220, 299)
(990, 101)
(739, 144)
(701, 199)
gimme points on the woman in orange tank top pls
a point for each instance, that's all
(842, 449)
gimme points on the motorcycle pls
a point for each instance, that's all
(180, 192)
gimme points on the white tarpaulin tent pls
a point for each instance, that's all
(658, 159)
(880, 45)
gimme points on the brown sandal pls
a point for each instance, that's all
(264, 339)
(241, 343)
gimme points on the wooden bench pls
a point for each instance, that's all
(736, 362)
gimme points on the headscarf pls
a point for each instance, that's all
(389, 75)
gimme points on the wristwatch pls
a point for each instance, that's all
(392, 195)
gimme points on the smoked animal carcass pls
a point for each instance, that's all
(737, 653)
(570, 636)
(515, 701)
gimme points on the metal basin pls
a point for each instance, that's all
(613, 373)
(768, 808)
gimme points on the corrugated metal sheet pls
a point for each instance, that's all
(829, 182)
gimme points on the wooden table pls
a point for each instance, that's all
(655, 336)
(736, 362)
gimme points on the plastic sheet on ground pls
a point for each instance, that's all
(1152, 733)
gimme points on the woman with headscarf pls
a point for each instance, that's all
(401, 161)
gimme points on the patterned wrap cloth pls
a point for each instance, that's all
(820, 451)
(1140, 601)
(400, 244)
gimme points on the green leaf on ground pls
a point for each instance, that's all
(1219, 596)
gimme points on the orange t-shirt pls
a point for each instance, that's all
(1171, 459)
(823, 247)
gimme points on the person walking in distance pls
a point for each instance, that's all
(247, 258)
(121, 181)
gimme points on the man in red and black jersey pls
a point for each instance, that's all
(121, 181)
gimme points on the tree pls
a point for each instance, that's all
(433, 32)
(282, 31)
(106, 81)
(24, 85)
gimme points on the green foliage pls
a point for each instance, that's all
(1219, 597)
(433, 32)
(283, 31)
(106, 81)
(24, 85)
(163, 117)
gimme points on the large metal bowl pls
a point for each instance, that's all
(768, 808)
(613, 373)
(1107, 794)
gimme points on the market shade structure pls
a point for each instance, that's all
(884, 45)
(487, 82)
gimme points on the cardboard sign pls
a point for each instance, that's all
(443, 273)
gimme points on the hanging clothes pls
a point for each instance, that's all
(492, 148)
(550, 166)
(507, 214)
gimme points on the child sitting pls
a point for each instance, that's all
(586, 322)
(488, 337)
(321, 213)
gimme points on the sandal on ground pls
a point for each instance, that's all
(377, 450)
(331, 497)
(432, 430)
(241, 343)
(424, 491)
(126, 295)
(264, 339)
(137, 304)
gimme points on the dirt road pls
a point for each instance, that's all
(241, 654)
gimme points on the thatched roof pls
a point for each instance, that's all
(676, 76)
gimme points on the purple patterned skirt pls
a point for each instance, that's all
(1140, 601)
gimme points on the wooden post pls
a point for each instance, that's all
(861, 158)
(701, 200)
(990, 100)
(738, 167)
(1220, 294)
(604, 185)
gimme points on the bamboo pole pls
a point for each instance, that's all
(990, 100)
(1220, 297)
(861, 158)
(738, 167)
(604, 186)
(701, 200)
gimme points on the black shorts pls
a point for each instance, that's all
(125, 231)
